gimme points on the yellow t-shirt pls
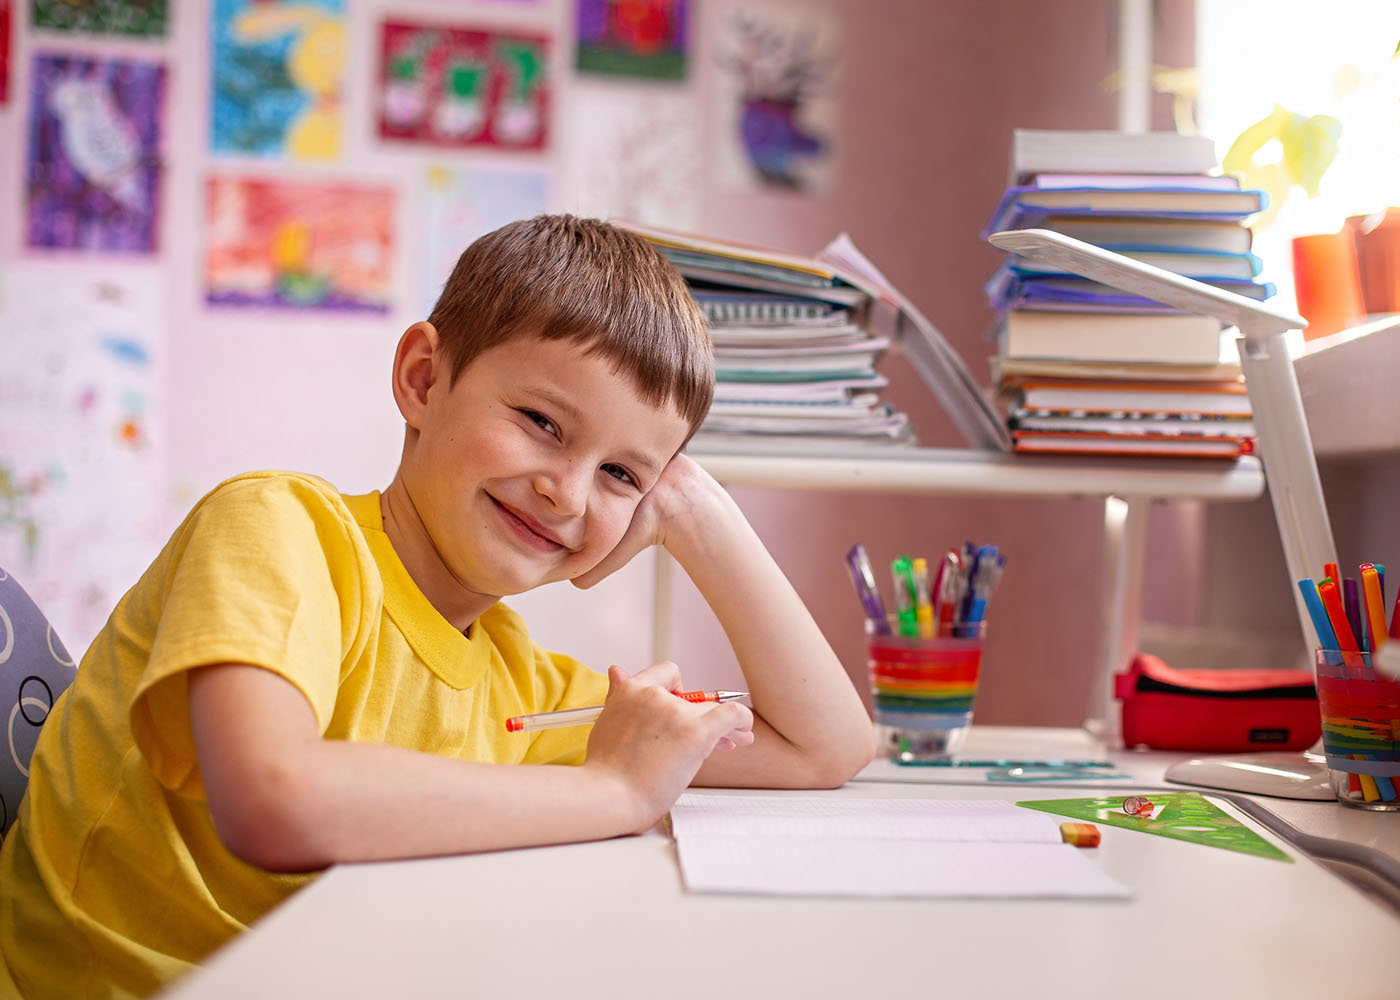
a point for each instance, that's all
(113, 881)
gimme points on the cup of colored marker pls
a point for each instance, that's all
(923, 688)
(1360, 729)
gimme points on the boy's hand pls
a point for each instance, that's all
(675, 504)
(654, 742)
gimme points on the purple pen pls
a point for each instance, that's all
(1351, 604)
(863, 576)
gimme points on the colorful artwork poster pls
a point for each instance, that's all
(636, 155)
(4, 51)
(646, 38)
(277, 68)
(94, 154)
(779, 118)
(137, 18)
(298, 245)
(464, 204)
(82, 509)
(461, 87)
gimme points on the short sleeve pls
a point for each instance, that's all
(269, 571)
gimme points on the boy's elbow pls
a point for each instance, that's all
(859, 754)
(270, 826)
(840, 761)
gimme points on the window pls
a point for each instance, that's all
(1310, 57)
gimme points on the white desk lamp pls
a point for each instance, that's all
(1285, 448)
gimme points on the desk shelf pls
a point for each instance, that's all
(1347, 383)
(962, 472)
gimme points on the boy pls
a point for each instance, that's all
(303, 678)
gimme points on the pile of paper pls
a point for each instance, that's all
(795, 362)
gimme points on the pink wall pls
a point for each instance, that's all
(932, 91)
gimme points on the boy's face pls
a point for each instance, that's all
(529, 468)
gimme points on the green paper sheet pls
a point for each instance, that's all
(1180, 815)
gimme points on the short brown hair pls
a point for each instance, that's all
(561, 277)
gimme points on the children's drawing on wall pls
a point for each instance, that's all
(94, 160)
(646, 38)
(4, 51)
(779, 122)
(464, 204)
(139, 18)
(298, 245)
(277, 68)
(81, 468)
(635, 156)
(462, 87)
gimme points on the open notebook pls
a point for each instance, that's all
(821, 846)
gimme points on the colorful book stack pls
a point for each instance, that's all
(794, 360)
(1082, 367)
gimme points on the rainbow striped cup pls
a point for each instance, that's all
(1360, 729)
(923, 689)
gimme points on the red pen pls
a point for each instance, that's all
(935, 592)
(949, 591)
(583, 716)
(1332, 601)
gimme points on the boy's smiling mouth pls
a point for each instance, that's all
(528, 529)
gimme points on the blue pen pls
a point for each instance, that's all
(985, 578)
(1326, 638)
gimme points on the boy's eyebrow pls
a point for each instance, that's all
(636, 459)
(556, 400)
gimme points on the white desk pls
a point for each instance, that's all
(611, 919)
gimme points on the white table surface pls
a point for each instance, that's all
(612, 919)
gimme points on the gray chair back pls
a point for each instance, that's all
(35, 669)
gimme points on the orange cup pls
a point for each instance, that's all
(1327, 283)
(1378, 259)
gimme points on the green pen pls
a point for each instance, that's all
(904, 596)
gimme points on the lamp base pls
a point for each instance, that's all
(1284, 775)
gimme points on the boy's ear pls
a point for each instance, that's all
(415, 370)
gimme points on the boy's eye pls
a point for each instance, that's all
(543, 422)
(620, 474)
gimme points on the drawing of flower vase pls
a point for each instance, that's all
(461, 113)
(773, 141)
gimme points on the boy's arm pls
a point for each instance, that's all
(284, 798)
(811, 727)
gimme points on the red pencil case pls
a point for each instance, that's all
(1217, 711)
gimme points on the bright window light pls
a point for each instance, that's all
(1312, 58)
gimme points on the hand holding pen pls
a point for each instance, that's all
(648, 745)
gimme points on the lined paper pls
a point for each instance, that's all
(816, 845)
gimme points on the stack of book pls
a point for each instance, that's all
(1083, 367)
(794, 358)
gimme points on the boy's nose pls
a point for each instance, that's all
(566, 488)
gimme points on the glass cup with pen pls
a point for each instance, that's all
(1360, 706)
(1360, 729)
(925, 658)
